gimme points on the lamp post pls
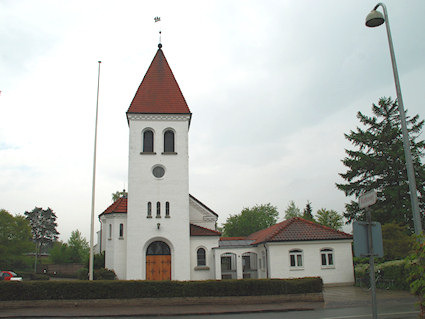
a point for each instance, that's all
(374, 19)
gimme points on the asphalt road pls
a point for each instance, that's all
(339, 302)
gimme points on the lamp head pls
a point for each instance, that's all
(374, 19)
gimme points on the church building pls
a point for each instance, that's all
(161, 232)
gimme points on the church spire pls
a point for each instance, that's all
(159, 92)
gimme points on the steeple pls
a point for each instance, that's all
(159, 92)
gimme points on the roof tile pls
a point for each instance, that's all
(196, 230)
(159, 92)
(297, 229)
(119, 206)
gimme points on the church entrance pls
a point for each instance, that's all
(158, 261)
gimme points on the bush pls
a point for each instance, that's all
(104, 274)
(120, 289)
(390, 275)
(27, 275)
(98, 274)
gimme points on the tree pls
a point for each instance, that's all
(379, 163)
(329, 218)
(396, 241)
(250, 220)
(118, 194)
(43, 228)
(60, 253)
(15, 241)
(292, 211)
(78, 247)
(308, 212)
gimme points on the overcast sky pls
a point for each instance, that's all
(272, 85)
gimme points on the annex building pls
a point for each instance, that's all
(161, 232)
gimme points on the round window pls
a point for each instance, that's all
(158, 171)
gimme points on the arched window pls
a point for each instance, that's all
(169, 141)
(158, 210)
(167, 209)
(158, 248)
(327, 256)
(149, 210)
(200, 256)
(148, 141)
(296, 258)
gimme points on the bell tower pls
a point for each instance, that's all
(158, 178)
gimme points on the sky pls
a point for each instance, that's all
(272, 87)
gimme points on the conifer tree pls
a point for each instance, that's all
(379, 163)
(308, 212)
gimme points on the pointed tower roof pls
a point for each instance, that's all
(159, 92)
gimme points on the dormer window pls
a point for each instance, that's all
(169, 141)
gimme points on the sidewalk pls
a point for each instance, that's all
(332, 297)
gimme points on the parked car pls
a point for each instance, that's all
(9, 275)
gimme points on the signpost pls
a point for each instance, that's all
(374, 242)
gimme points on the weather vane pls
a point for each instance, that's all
(158, 19)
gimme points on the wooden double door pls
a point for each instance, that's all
(158, 261)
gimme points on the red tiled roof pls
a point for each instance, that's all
(196, 230)
(232, 238)
(297, 229)
(159, 92)
(119, 206)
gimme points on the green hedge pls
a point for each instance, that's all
(389, 275)
(120, 289)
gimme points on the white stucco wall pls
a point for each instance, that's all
(342, 272)
(238, 253)
(208, 243)
(113, 244)
(143, 187)
(201, 216)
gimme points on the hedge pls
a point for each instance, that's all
(120, 289)
(389, 275)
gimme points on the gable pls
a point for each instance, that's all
(200, 213)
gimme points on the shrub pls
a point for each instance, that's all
(104, 274)
(120, 289)
(390, 275)
(416, 268)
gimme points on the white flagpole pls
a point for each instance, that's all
(91, 260)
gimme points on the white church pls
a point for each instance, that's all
(161, 232)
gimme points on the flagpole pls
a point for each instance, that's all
(91, 260)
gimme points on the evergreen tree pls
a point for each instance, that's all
(43, 227)
(292, 210)
(329, 218)
(308, 212)
(379, 163)
(78, 246)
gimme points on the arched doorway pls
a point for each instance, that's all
(158, 261)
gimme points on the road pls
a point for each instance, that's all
(340, 303)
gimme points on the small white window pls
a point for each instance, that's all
(110, 231)
(327, 257)
(296, 258)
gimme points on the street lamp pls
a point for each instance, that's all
(374, 19)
